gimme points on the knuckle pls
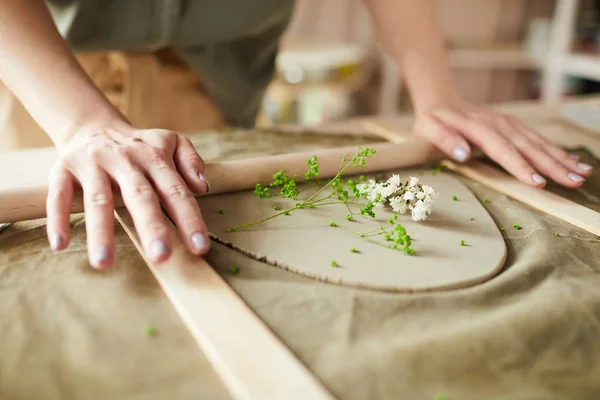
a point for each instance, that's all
(193, 159)
(142, 191)
(93, 151)
(178, 191)
(510, 147)
(165, 139)
(123, 152)
(520, 141)
(157, 228)
(125, 158)
(99, 199)
(195, 222)
(57, 170)
(158, 158)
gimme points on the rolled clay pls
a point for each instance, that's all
(305, 243)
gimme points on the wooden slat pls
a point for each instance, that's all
(543, 200)
(251, 361)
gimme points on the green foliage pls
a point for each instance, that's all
(150, 331)
(341, 192)
(313, 168)
(262, 192)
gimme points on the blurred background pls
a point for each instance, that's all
(500, 50)
(330, 68)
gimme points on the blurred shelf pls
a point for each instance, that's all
(583, 66)
(493, 58)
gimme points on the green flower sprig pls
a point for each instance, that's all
(340, 192)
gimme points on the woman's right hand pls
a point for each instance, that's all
(149, 167)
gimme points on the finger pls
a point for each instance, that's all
(98, 204)
(143, 204)
(578, 169)
(446, 139)
(535, 153)
(495, 145)
(190, 166)
(58, 207)
(179, 203)
(538, 157)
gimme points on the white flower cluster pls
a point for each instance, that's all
(411, 196)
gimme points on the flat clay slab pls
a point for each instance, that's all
(303, 242)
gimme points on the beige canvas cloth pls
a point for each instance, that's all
(69, 332)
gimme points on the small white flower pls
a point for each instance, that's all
(362, 188)
(395, 180)
(388, 190)
(374, 193)
(428, 190)
(420, 211)
(398, 205)
(413, 181)
(409, 196)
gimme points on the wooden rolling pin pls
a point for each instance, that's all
(24, 180)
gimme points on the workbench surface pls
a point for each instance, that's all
(532, 332)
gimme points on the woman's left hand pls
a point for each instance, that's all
(520, 150)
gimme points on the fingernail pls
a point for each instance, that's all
(205, 180)
(57, 241)
(584, 167)
(200, 241)
(459, 153)
(573, 156)
(101, 256)
(575, 178)
(537, 178)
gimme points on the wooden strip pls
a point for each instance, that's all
(540, 199)
(249, 358)
(543, 200)
(23, 195)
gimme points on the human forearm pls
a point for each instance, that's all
(407, 30)
(39, 68)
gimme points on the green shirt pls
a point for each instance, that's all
(232, 44)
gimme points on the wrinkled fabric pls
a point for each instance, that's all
(530, 333)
